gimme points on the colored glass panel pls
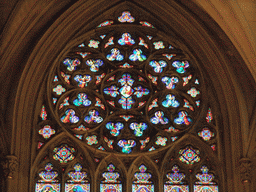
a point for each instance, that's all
(137, 55)
(69, 117)
(71, 63)
(109, 142)
(209, 116)
(99, 104)
(159, 45)
(170, 82)
(79, 136)
(43, 114)
(59, 89)
(92, 140)
(102, 36)
(39, 145)
(83, 54)
(82, 100)
(70, 187)
(126, 65)
(180, 66)
(64, 103)
(169, 56)
(94, 64)
(114, 128)
(106, 23)
(99, 78)
(115, 55)
(152, 148)
(183, 119)
(198, 103)
(161, 141)
(159, 118)
(203, 188)
(110, 187)
(55, 78)
(193, 92)
(64, 153)
(170, 101)
(93, 44)
(144, 142)
(126, 117)
(54, 100)
(153, 104)
(149, 37)
(82, 80)
(48, 175)
(42, 187)
(186, 79)
(126, 145)
(187, 105)
(81, 128)
(138, 128)
(142, 188)
(176, 188)
(158, 66)
(126, 17)
(189, 155)
(146, 24)
(112, 91)
(142, 42)
(172, 129)
(93, 117)
(110, 42)
(176, 177)
(46, 131)
(65, 77)
(126, 39)
(206, 134)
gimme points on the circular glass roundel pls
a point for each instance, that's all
(125, 91)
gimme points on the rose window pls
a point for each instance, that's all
(125, 90)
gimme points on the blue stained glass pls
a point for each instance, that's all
(138, 128)
(181, 66)
(126, 17)
(126, 39)
(159, 118)
(158, 65)
(82, 100)
(115, 55)
(170, 82)
(139, 91)
(170, 101)
(82, 80)
(112, 91)
(93, 117)
(126, 103)
(94, 64)
(183, 118)
(137, 55)
(142, 188)
(126, 80)
(114, 128)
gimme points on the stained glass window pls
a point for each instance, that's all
(48, 180)
(111, 182)
(125, 90)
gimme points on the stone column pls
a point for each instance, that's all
(245, 173)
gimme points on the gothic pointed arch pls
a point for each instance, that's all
(129, 86)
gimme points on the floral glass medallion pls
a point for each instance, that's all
(64, 153)
(189, 155)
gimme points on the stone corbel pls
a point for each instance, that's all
(10, 166)
(245, 170)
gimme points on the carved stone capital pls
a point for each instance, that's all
(245, 169)
(10, 165)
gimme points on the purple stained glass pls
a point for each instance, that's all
(115, 55)
(140, 92)
(126, 17)
(70, 187)
(71, 63)
(82, 80)
(176, 177)
(138, 128)
(64, 153)
(205, 177)
(93, 117)
(114, 128)
(106, 23)
(142, 188)
(189, 155)
(126, 39)
(170, 101)
(82, 100)
(94, 64)
(48, 175)
(180, 66)
(183, 118)
(70, 117)
(159, 118)
(46, 131)
(158, 66)
(137, 55)
(170, 82)
(112, 91)
(126, 103)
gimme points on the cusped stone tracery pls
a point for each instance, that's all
(126, 89)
